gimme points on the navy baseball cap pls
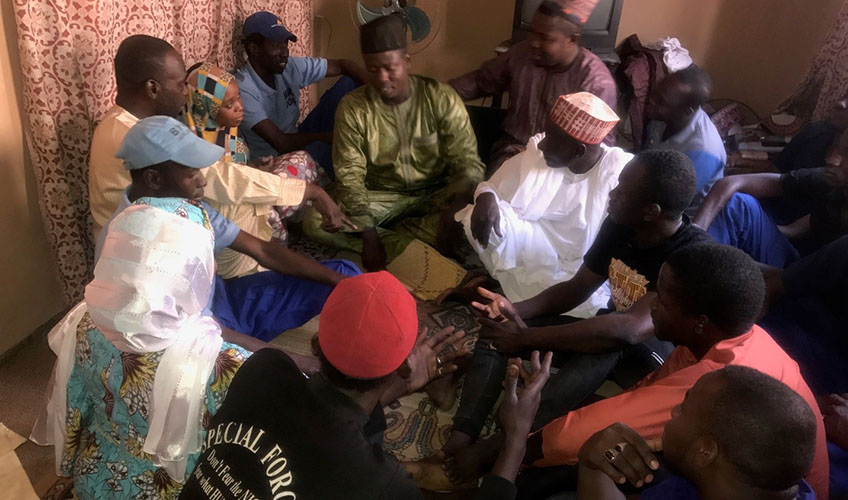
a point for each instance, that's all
(158, 139)
(268, 25)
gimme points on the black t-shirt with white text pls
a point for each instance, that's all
(280, 435)
(632, 271)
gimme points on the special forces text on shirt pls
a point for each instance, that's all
(213, 474)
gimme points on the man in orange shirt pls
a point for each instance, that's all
(708, 297)
(738, 435)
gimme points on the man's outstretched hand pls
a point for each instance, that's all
(433, 357)
(332, 216)
(496, 307)
(522, 393)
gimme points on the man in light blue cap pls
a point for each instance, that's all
(270, 86)
(166, 159)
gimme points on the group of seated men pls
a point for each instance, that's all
(593, 248)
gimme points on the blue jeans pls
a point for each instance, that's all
(265, 304)
(322, 119)
(743, 224)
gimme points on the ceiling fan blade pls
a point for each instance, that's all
(418, 21)
(366, 15)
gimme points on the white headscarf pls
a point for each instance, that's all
(151, 285)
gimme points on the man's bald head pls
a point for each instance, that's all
(150, 75)
(140, 58)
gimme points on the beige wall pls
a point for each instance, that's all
(29, 287)
(756, 51)
(469, 32)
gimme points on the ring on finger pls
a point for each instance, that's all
(439, 371)
(439, 361)
(611, 454)
(451, 348)
(621, 446)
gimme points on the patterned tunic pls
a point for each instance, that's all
(109, 398)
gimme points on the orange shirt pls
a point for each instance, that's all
(647, 407)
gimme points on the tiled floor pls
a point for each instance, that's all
(23, 380)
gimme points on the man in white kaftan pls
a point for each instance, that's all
(537, 216)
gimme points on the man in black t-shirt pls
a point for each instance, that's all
(645, 225)
(735, 217)
(281, 435)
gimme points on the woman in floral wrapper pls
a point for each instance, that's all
(140, 370)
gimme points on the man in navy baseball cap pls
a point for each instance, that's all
(270, 86)
(269, 26)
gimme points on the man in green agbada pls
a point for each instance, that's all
(404, 152)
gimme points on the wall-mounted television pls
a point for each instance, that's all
(599, 32)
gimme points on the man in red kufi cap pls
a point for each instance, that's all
(536, 71)
(281, 434)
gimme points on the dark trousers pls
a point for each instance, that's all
(322, 119)
(579, 376)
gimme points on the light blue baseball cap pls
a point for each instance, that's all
(159, 139)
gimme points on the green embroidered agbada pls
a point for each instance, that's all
(397, 167)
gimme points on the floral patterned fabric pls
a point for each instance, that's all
(826, 81)
(298, 165)
(109, 396)
(207, 86)
(67, 49)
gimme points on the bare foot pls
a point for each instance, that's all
(442, 392)
(429, 474)
(472, 462)
(456, 441)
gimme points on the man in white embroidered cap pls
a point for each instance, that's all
(533, 221)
